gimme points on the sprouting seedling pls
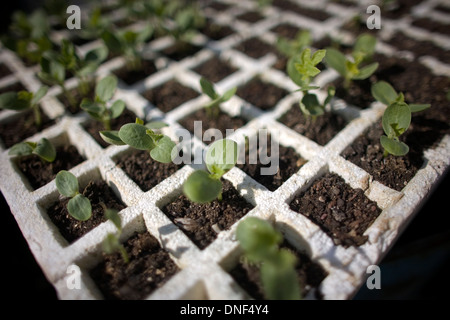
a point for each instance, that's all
(128, 43)
(396, 118)
(79, 206)
(111, 243)
(290, 47)
(204, 186)
(95, 25)
(142, 137)
(260, 243)
(99, 108)
(24, 100)
(44, 149)
(186, 21)
(302, 70)
(212, 107)
(350, 68)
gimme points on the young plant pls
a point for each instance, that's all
(260, 242)
(24, 100)
(79, 206)
(212, 108)
(142, 137)
(128, 43)
(350, 68)
(44, 149)
(95, 25)
(98, 109)
(111, 243)
(396, 118)
(302, 70)
(290, 48)
(205, 186)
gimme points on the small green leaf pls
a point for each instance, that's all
(258, 238)
(396, 119)
(112, 41)
(365, 45)
(154, 125)
(311, 106)
(201, 188)
(144, 34)
(279, 277)
(11, 101)
(110, 244)
(229, 94)
(97, 55)
(80, 207)
(366, 71)
(45, 150)
(162, 152)
(221, 154)
(94, 108)
(336, 60)
(418, 107)
(384, 92)
(66, 183)
(42, 91)
(135, 135)
(105, 88)
(394, 147)
(112, 137)
(208, 88)
(117, 108)
(113, 215)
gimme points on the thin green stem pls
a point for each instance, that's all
(37, 115)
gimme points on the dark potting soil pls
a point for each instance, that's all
(169, 95)
(39, 173)
(442, 8)
(341, 212)
(309, 273)
(254, 48)
(22, 127)
(93, 127)
(4, 70)
(98, 192)
(202, 222)
(321, 130)
(289, 163)
(292, 7)
(218, 6)
(419, 48)
(149, 267)
(180, 50)
(215, 31)
(143, 170)
(250, 16)
(221, 121)
(399, 8)
(130, 77)
(78, 97)
(261, 94)
(215, 69)
(432, 25)
(394, 172)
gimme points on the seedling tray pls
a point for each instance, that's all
(205, 273)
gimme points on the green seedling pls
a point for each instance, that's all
(128, 43)
(44, 149)
(302, 70)
(142, 137)
(290, 48)
(55, 64)
(24, 100)
(112, 243)
(205, 186)
(99, 109)
(28, 35)
(350, 68)
(396, 118)
(79, 206)
(260, 243)
(95, 25)
(212, 107)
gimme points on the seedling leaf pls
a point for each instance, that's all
(45, 150)
(162, 152)
(384, 92)
(113, 215)
(208, 88)
(135, 135)
(394, 147)
(117, 108)
(80, 207)
(418, 107)
(396, 119)
(221, 154)
(112, 137)
(366, 71)
(200, 187)
(66, 183)
(336, 60)
(105, 88)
